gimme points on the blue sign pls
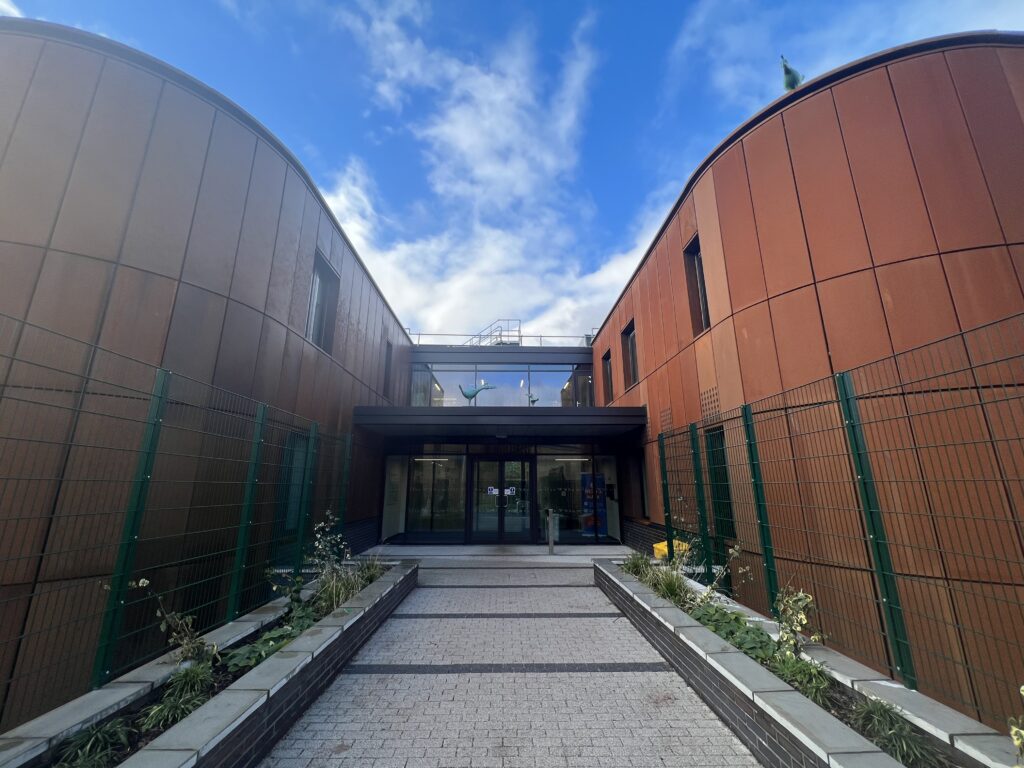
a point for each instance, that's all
(595, 506)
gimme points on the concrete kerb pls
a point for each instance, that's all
(976, 740)
(24, 744)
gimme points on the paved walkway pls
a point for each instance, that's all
(496, 663)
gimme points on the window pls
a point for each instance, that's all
(323, 304)
(387, 369)
(630, 370)
(698, 292)
(606, 374)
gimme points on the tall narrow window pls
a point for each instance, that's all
(697, 290)
(630, 369)
(606, 376)
(323, 304)
(387, 369)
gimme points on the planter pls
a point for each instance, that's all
(239, 724)
(779, 725)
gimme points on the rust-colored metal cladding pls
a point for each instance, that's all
(867, 225)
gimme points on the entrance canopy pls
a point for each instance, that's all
(439, 424)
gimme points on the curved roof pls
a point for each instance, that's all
(104, 45)
(959, 40)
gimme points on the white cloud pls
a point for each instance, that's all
(499, 141)
(8, 8)
(735, 44)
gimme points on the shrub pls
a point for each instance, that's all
(638, 565)
(369, 570)
(191, 646)
(809, 678)
(793, 608)
(197, 678)
(251, 654)
(97, 746)
(670, 584)
(1017, 734)
(170, 710)
(881, 722)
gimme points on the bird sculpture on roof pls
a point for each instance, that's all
(472, 392)
(790, 77)
(533, 398)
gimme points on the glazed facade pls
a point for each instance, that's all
(146, 220)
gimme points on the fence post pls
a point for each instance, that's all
(242, 542)
(761, 505)
(346, 469)
(664, 497)
(899, 643)
(702, 510)
(123, 566)
(306, 503)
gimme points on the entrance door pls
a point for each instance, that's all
(502, 496)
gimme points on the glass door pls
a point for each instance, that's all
(502, 497)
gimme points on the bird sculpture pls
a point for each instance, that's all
(472, 392)
(533, 399)
(790, 77)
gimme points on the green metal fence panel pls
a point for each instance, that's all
(124, 566)
(306, 506)
(666, 502)
(245, 523)
(702, 511)
(763, 525)
(877, 537)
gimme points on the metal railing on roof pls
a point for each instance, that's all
(501, 333)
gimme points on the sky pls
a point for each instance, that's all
(494, 159)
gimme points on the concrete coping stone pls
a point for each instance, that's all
(67, 719)
(674, 617)
(926, 713)
(20, 750)
(746, 674)
(207, 726)
(165, 758)
(992, 750)
(343, 617)
(314, 640)
(816, 729)
(274, 671)
(652, 600)
(975, 739)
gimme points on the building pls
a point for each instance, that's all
(195, 366)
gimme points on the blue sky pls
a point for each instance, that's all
(507, 159)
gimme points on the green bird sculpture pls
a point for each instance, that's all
(472, 392)
(533, 399)
(790, 77)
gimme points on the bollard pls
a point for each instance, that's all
(551, 532)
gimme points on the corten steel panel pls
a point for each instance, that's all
(755, 344)
(268, 362)
(799, 337)
(362, 326)
(666, 343)
(962, 476)
(677, 305)
(984, 286)
(954, 187)
(1012, 60)
(288, 387)
(855, 328)
(18, 59)
(321, 388)
(727, 365)
(344, 325)
(303, 277)
(42, 147)
(707, 380)
(323, 235)
(210, 257)
(194, 335)
(780, 227)
(991, 618)
(282, 272)
(165, 200)
(95, 209)
(14, 605)
(70, 295)
(711, 249)
(259, 229)
(688, 383)
(835, 232)
(1017, 256)
(931, 619)
(883, 172)
(20, 265)
(307, 376)
(651, 321)
(739, 235)
(239, 347)
(997, 129)
(657, 402)
(917, 303)
(138, 315)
